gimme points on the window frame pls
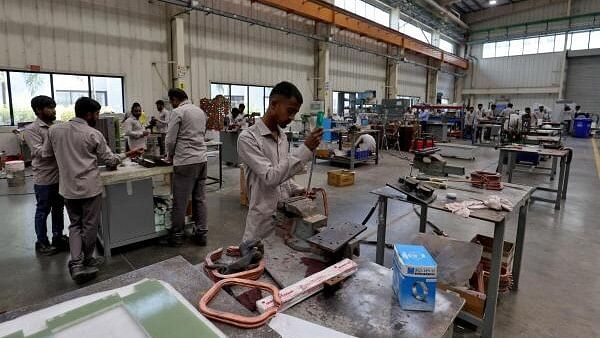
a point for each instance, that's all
(51, 74)
(229, 84)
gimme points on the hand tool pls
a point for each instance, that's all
(320, 116)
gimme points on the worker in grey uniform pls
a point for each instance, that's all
(366, 142)
(263, 148)
(133, 130)
(77, 146)
(45, 179)
(186, 149)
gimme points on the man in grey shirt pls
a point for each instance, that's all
(263, 148)
(77, 147)
(186, 149)
(134, 132)
(45, 179)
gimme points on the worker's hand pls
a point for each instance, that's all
(135, 152)
(314, 138)
(146, 133)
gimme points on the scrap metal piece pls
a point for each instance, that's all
(334, 238)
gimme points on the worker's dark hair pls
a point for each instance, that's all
(527, 109)
(42, 101)
(577, 107)
(510, 105)
(135, 105)
(235, 112)
(242, 105)
(177, 94)
(480, 104)
(85, 105)
(161, 102)
(493, 104)
(287, 90)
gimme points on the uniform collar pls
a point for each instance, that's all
(263, 129)
(79, 120)
(41, 123)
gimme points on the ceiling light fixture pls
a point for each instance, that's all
(492, 2)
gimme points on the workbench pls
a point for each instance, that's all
(128, 205)
(519, 196)
(508, 157)
(438, 130)
(219, 147)
(365, 305)
(190, 281)
(480, 128)
(352, 138)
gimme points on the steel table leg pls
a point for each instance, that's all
(423, 218)
(512, 158)
(561, 181)
(352, 151)
(494, 282)
(381, 225)
(521, 225)
(220, 166)
(500, 166)
(566, 184)
(553, 172)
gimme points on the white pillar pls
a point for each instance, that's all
(178, 46)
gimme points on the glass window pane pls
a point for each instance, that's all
(351, 6)
(530, 46)
(219, 89)
(267, 93)
(369, 12)
(109, 92)
(382, 17)
(501, 48)
(489, 50)
(360, 8)
(4, 108)
(67, 89)
(24, 86)
(239, 94)
(559, 43)
(595, 39)
(339, 3)
(516, 47)
(256, 100)
(546, 44)
(447, 46)
(580, 40)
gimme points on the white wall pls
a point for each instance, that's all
(111, 37)
(412, 79)
(354, 71)
(446, 85)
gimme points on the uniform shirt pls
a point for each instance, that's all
(469, 116)
(269, 171)
(134, 133)
(424, 116)
(506, 112)
(45, 169)
(185, 135)
(366, 142)
(479, 115)
(162, 122)
(77, 148)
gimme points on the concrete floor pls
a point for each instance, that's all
(559, 275)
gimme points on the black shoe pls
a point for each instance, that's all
(199, 239)
(174, 240)
(61, 242)
(80, 273)
(45, 249)
(94, 262)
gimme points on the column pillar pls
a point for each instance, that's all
(432, 80)
(178, 47)
(391, 74)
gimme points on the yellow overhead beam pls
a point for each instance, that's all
(327, 13)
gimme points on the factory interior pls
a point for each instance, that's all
(299, 168)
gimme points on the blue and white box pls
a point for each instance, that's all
(415, 277)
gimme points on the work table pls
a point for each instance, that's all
(131, 171)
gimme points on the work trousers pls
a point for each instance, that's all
(85, 219)
(189, 179)
(48, 200)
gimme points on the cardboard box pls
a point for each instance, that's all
(415, 277)
(340, 178)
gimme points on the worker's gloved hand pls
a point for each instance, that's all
(314, 138)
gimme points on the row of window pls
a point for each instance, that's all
(255, 98)
(365, 10)
(543, 44)
(18, 88)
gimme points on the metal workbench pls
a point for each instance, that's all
(439, 130)
(352, 138)
(508, 157)
(519, 196)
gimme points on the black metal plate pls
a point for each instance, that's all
(334, 237)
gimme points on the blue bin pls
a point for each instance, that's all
(582, 127)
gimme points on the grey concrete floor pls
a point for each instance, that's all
(559, 276)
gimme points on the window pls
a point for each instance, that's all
(256, 98)
(530, 46)
(4, 107)
(446, 46)
(368, 11)
(579, 40)
(515, 48)
(15, 102)
(595, 39)
(23, 87)
(109, 92)
(334, 107)
(413, 31)
(382, 17)
(559, 43)
(489, 50)
(546, 44)
(501, 48)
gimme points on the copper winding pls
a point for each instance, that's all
(325, 203)
(254, 272)
(236, 319)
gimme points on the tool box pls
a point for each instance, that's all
(340, 178)
(415, 277)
